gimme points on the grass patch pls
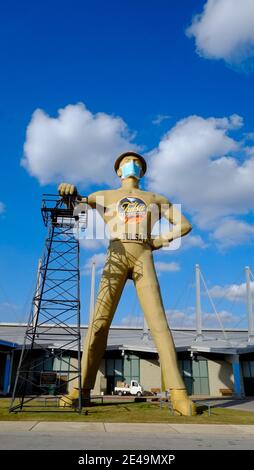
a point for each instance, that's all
(125, 413)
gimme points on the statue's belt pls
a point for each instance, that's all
(132, 237)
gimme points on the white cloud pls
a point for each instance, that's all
(180, 319)
(193, 241)
(227, 319)
(186, 319)
(160, 118)
(231, 292)
(133, 320)
(98, 259)
(163, 266)
(76, 146)
(194, 164)
(2, 207)
(224, 30)
(231, 232)
(93, 244)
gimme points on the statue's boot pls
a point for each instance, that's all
(181, 403)
(71, 400)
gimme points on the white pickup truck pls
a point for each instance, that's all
(133, 389)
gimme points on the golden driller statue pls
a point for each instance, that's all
(129, 214)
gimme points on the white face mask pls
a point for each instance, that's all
(131, 169)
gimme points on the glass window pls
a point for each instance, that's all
(124, 369)
(131, 368)
(118, 367)
(62, 363)
(203, 368)
(48, 363)
(57, 363)
(195, 368)
(246, 368)
(197, 386)
(65, 363)
(186, 368)
(252, 368)
(188, 384)
(200, 377)
(135, 367)
(110, 366)
(127, 367)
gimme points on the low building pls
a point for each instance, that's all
(213, 364)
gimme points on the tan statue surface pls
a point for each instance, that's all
(130, 215)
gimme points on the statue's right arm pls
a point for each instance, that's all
(93, 200)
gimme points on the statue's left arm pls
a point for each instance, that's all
(181, 226)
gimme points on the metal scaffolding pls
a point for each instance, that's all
(45, 370)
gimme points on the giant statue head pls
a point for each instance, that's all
(130, 165)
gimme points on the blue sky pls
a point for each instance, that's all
(157, 86)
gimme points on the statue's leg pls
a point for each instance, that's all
(150, 299)
(111, 286)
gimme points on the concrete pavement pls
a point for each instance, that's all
(244, 404)
(123, 436)
(153, 428)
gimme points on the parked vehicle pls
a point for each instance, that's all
(134, 388)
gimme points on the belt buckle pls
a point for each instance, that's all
(134, 237)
